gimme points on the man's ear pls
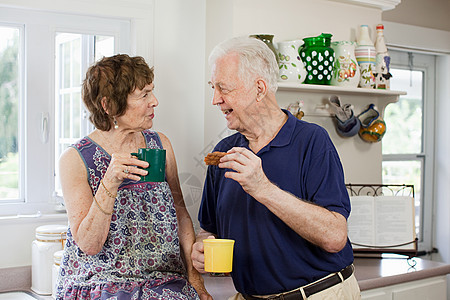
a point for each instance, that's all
(261, 88)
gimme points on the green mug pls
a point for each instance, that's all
(156, 159)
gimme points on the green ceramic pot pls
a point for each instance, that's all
(318, 59)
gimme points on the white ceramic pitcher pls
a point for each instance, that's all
(291, 66)
(346, 71)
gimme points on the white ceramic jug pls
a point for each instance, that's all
(346, 71)
(291, 66)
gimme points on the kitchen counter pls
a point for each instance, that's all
(371, 273)
(374, 273)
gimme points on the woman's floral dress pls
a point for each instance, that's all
(141, 256)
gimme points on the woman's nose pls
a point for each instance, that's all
(153, 101)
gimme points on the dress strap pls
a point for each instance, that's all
(152, 139)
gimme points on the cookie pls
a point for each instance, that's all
(214, 157)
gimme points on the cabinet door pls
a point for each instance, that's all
(378, 294)
(432, 289)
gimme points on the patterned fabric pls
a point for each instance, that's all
(141, 256)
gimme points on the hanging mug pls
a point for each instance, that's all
(373, 127)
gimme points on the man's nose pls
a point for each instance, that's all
(217, 97)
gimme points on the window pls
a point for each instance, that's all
(408, 142)
(10, 104)
(74, 54)
(46, 112)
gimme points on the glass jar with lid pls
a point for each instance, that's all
(57, 257)
(49, 239)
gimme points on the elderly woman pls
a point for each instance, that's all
(127, 239)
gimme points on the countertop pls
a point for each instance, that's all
(371, 273)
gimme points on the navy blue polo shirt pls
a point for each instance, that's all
(269, 257)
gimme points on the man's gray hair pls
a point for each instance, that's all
(256, 59)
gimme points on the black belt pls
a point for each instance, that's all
(318, 286)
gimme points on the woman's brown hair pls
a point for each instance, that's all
(111, 80)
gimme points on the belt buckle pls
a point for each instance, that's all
(278, 297)
(291, 295)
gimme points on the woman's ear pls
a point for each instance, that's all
(104, 105)
(261, 88)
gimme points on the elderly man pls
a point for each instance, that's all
(279, 192)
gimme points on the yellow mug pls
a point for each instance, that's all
(218, 255)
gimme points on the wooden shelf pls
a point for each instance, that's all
(315, 97)
(381, 4)
(329, 89)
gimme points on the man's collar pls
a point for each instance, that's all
(284, 136)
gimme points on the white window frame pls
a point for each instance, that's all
(38, 172)
(87, 58)
(21, 117)
(426, 63)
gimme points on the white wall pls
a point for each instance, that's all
(179, 56)
(419, 13)
(438, 42)
(296, 19)
(176, 37)
(17, 234)
(292, 19)
(170, 36)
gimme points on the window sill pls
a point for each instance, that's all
(32, 218)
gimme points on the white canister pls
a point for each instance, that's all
(57, 257)
(49, 239)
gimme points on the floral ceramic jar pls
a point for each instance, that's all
(291, 66)
(345, 71)
(318, 58)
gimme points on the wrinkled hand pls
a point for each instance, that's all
(249, 173)
(124, 166)
(198, 257)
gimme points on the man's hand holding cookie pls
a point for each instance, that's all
(214, 158)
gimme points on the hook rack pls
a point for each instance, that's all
(319, 110)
